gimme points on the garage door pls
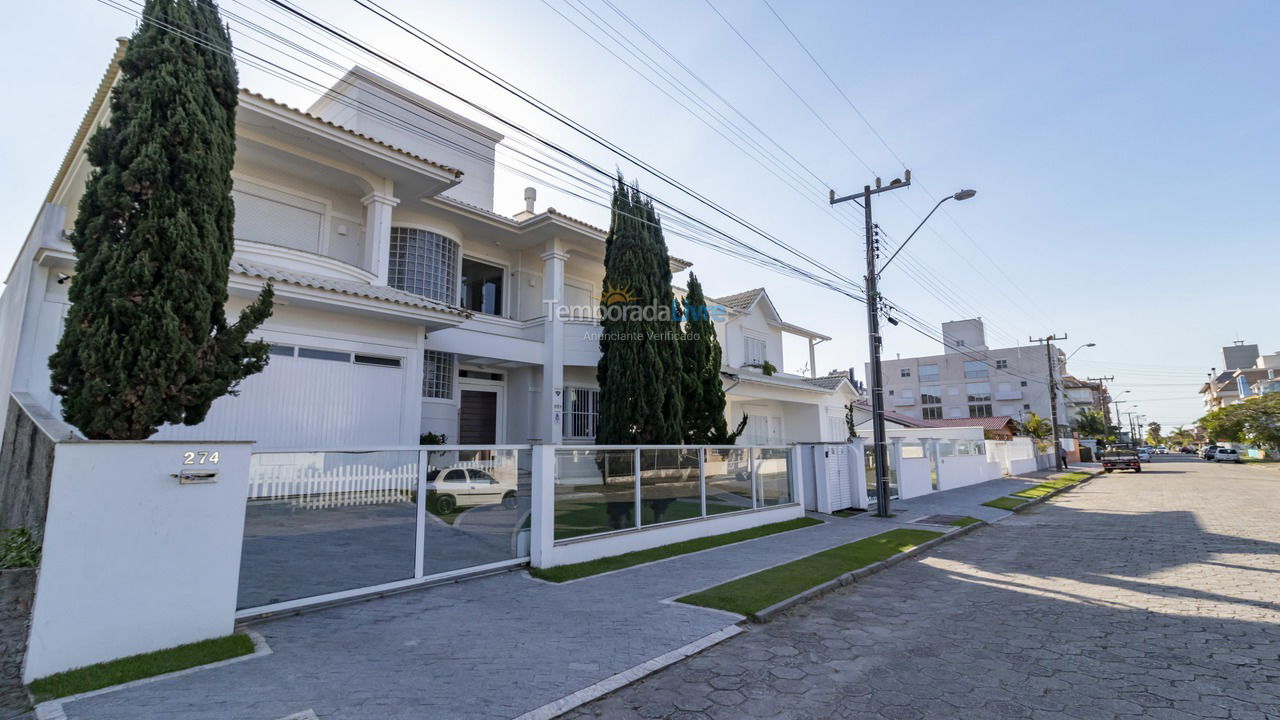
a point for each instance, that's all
(311, 397)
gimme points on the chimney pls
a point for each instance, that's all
(530, 197)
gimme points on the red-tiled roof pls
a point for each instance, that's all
(999, 422)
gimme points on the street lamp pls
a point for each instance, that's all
(1073, 352)
(962, 195)
(876, 381)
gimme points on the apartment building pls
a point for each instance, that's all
(971, 380)
(1085, 395)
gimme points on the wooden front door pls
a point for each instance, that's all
(478, 418)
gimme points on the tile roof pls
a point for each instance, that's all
(998, 422)
(346, 287)
(456, 172)
(740, 301)
(828, 382)
(893, 416)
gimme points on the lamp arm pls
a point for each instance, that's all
(913, 234)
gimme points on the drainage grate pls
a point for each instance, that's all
(938, 519)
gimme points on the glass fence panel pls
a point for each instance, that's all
(670, 487)
(595, 492)
(477, 508)
(947, 448)
(322, 522)
(728, 472)
(773, 473)
(912, 449)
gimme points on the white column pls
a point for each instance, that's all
(377, 232)
(553, 399)
(813, 362)
(542, 518)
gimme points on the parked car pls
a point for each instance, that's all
(1121, 459)
(1227, 454)
(1207, 451)
(1187, 450)
(1162, 450)
(1144, 455)
(451, 488)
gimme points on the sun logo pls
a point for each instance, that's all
(613, 295)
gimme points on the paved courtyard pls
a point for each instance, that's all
(1151, 595)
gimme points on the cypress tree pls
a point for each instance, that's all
(639, 370)
(147, 340)
(703, 392)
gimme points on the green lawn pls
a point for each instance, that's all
(964, 521)
(561, 573)
(136, 667)
(1005, 503)
(753, 593)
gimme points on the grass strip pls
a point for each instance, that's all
(561, 573)
(965, 521)
(136, 667)
(1005, 503)
(1049, 486)
(748, 595)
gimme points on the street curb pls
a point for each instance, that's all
(1054, 493)
(767, 614)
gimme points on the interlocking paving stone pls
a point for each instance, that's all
(500, 646)
(1146, 596)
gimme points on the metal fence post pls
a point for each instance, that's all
(702, 477)
(635, 467)
(420, 543)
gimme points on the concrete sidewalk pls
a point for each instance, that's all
(499, 646)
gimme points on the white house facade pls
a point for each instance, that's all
(405, 304)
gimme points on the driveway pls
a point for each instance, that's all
(1151, 595)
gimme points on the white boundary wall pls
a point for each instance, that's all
(133, 560)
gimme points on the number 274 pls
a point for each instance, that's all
(200, 457)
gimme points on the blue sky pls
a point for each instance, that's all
(1124, 153)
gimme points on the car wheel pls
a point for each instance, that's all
(445, 504)
(1107, 470)
(1137, 469)
(509, 501)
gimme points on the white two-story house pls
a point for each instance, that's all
(406, 303)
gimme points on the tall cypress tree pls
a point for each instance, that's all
(147, 340)
(639, 370)
(703, 392)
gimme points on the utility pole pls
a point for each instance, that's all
(1103, 395)
(1053, 395)
(880, 448)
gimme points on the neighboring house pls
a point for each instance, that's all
(1084, 395)
(404, 303)
(780, 407)
(971, 380)
(1000, 427)
(1247, 373)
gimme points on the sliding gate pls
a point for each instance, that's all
(326, 525)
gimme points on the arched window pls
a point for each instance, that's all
(424, 263)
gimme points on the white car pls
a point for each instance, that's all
(1144, 456)
(1162, 450)
(451, 488)
(1227, 455)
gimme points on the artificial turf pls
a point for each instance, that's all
(1005, 503)
(136, 667)
(561, 573)
(964, 521)
(753, 593)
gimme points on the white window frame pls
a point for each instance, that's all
(748, 358)
(587, 420)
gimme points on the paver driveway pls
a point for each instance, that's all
(1153, 595)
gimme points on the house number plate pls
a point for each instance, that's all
(198, 467)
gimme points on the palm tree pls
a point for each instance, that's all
(1036, 427)
(1090, 423)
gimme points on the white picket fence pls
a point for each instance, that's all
(342, 486)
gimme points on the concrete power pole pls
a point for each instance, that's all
(875, 380)
(1053, 395)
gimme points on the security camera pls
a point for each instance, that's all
(63, 278)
